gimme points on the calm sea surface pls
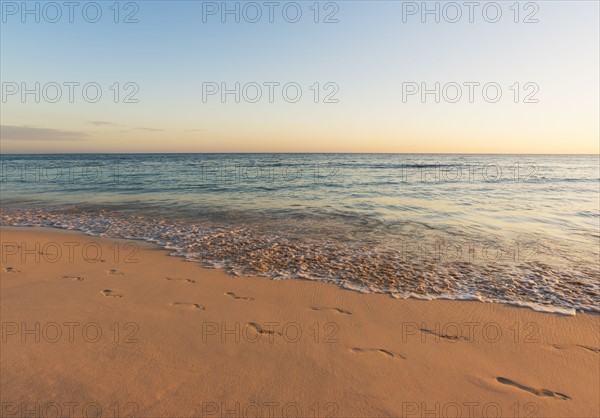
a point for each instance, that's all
(519, 229)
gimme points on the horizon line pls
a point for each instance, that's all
(284, 153)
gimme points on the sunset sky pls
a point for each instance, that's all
(366, 56)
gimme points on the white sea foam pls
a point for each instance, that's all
(367, 269)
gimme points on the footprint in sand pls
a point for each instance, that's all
(260, 330)
(338, 310)
(192, 306)
(585, 347)
(447, 337)
(10, 270)
(387, 353)
(114, 272)
(537, 392)
(176, 279)
(236, 297)
(72, 278)
(110, 293)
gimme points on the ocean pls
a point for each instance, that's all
(516, 229)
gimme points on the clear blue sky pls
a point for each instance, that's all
(369, 53)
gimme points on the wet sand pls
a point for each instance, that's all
(103, 327)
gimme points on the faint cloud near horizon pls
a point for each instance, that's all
(127, 128)
(139, 128)
(103, 123)
(150, 129)
(34, 133)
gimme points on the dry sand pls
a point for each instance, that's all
(136, 332)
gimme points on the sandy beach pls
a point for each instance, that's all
(102, 327)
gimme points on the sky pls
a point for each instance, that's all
(305, 76)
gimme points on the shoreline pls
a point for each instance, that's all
(554, 310)
(178, 339)
(180, 250)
